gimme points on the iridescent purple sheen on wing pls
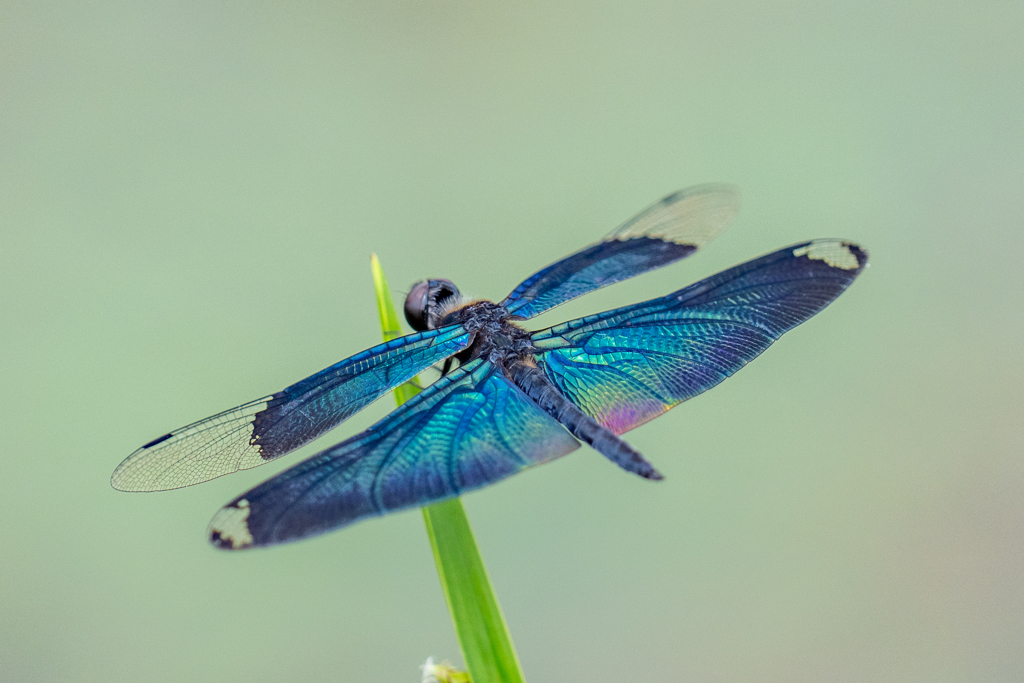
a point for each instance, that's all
(627, 366)
(622, 417)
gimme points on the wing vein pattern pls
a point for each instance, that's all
(629, 365)
(272, 426)
(663, 233)
(471, 428)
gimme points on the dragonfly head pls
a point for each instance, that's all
(427, 302)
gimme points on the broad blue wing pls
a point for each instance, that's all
(663, 233)
(269, 427)
(627, 366)
(470, 428)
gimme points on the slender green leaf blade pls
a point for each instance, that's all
(483, 634)
(389, 324)
(479, 623)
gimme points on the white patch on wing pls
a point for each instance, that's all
(835, 254)
(231, 524)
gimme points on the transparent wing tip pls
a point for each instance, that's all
(690, 216)
(132, 476)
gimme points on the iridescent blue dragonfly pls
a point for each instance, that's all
(515, 398)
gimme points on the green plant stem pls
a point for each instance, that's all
(479, 624)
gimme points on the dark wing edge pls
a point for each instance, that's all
(630, 365)
(260, 431)
(663, 233)
(471, 428)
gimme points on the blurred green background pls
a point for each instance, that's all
(189, 195)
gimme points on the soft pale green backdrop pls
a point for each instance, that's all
(189, 194)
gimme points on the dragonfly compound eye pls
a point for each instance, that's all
(416, 306)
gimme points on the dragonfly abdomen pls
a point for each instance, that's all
(534, 384)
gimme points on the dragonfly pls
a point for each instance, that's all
(507, 398)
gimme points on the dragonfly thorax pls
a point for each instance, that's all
(495, 337)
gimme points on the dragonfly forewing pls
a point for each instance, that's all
(260, 431)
